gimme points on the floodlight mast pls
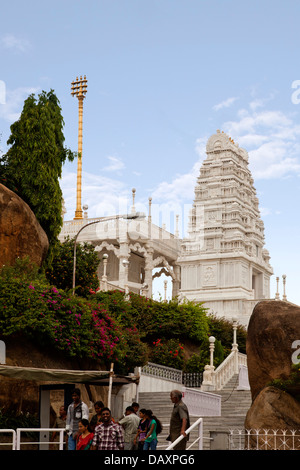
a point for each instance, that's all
(79, 89)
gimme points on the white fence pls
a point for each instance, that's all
(43, 437)
(202, 403)
(264, 439)
(13, 441)
(158, 378)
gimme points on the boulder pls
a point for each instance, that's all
(20, 233)
(273, 327)
(273, 409)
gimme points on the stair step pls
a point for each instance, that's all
(234, 407)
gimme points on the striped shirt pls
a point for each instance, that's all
(109, 437)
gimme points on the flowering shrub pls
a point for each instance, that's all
(53, 317)
(105, 326)
(169, 353)
(158, 319)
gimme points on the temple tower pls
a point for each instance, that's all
(223, 260)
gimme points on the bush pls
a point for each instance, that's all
(60, 274)
(106, 327)
(168, 353)
(156, 319)
(10, 419)
(54, 318)
(222, 330)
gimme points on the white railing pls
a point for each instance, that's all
(228, 368)
(264, 439)
(162, 372)
(199, 439)
(43, 442)
(202, 403)
(14, 438)
(243, 378)
(115, 227)
(217, 379)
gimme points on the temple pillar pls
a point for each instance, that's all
(149, 268)
(176, 281)
(124, 254)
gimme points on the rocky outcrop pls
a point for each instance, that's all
(273, 409)
(272, 329)
(20, 233)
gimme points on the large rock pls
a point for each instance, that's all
(273, 409)
(272, 329)
(20, 233)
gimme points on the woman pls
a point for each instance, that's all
(142, 430)
(155, 427)
(85, 438)
(96, 419)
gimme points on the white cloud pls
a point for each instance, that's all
(12, 42)
(115, 164)
(225, 104)
(103, 196)
(271, 139)
(180, 189)
(14, 101)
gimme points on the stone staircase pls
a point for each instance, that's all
(235, 404)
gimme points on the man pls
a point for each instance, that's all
(60, 422)
(108, 435)
(130, 424)
(180, 420)
(76, 411)
(135, 406)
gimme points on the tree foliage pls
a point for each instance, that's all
(60, 273)
(105, 326)
(33, 164)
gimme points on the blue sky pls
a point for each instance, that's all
(163, 75)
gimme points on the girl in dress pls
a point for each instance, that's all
(85, 437)
(142, 429)
(155, 427)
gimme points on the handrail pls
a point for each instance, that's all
(228, 368)
(199, 423)
(14, 440)
(61, 432)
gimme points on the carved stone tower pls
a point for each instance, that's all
(223, 261)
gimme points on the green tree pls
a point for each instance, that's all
(60, 273)
(33, 164)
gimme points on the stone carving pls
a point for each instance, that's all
(20, 233)
(109, 247)
(209, 277)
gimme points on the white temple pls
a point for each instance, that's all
(222, 262)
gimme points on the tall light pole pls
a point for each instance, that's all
(79, 89)
(137, 215)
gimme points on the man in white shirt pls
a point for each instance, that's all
(76, 411)
(130, 424)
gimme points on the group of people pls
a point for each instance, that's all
(138, 429)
